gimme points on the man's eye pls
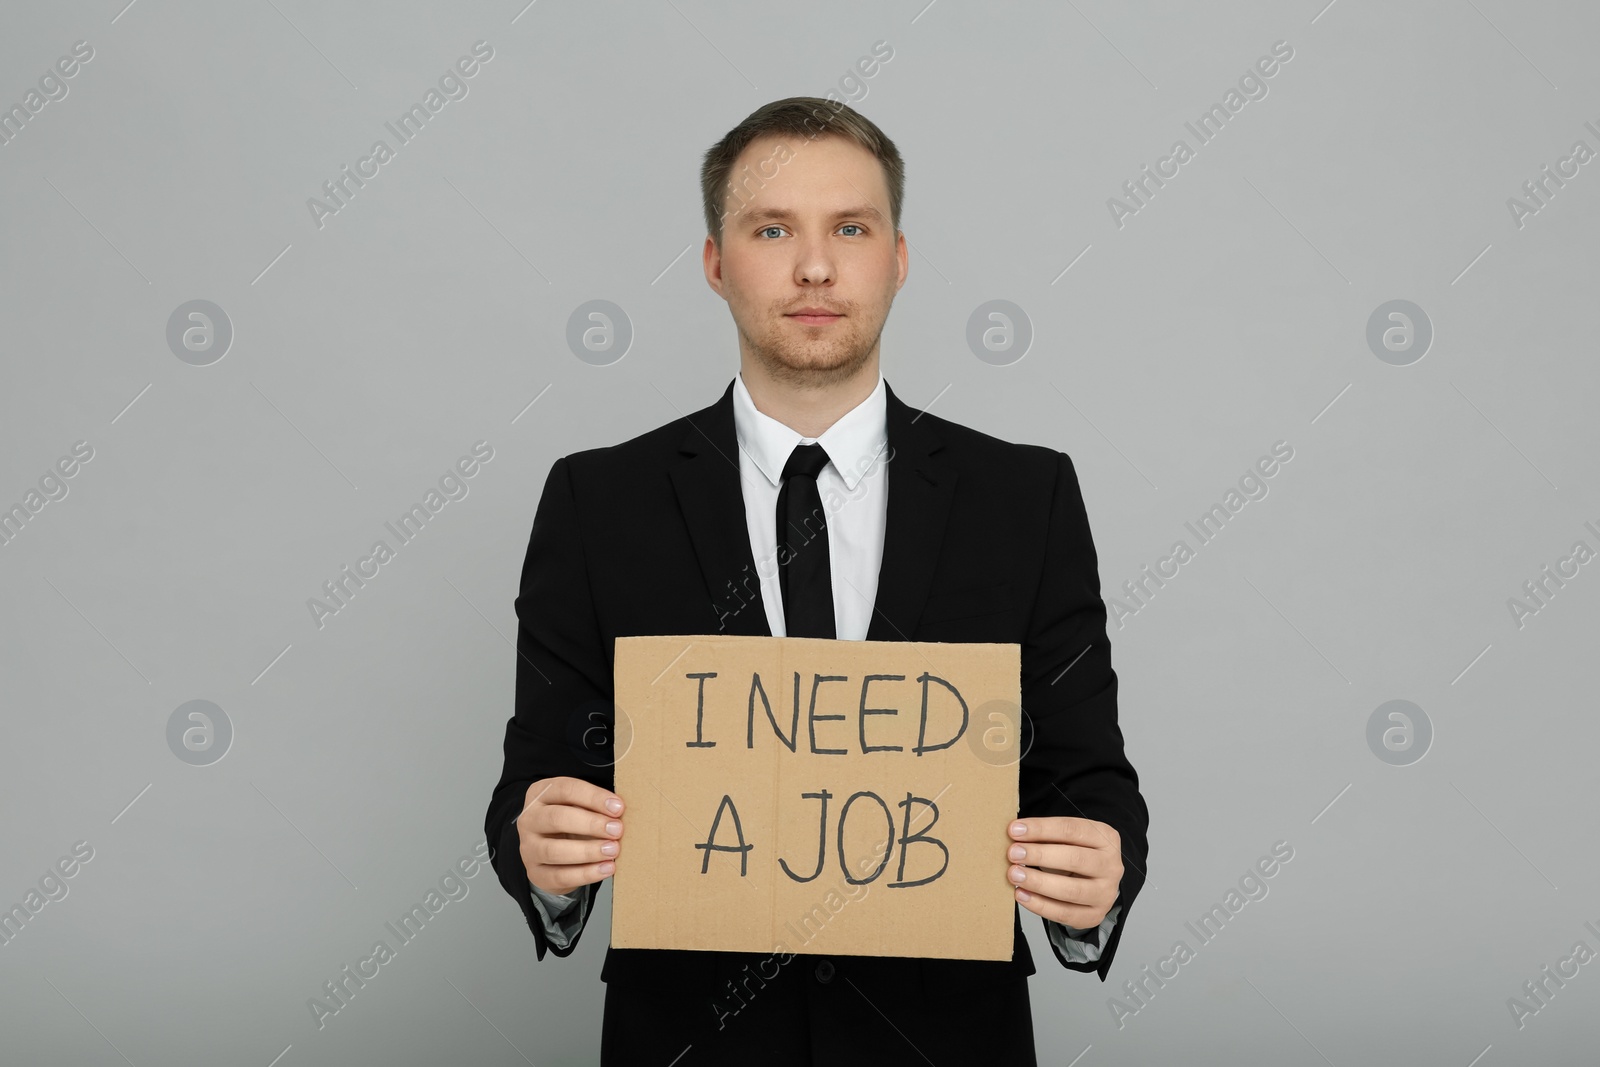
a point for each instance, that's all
(769, 229)
(850, 226)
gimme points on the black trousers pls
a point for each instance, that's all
(748, 1009)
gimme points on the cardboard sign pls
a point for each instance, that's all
(816, 796)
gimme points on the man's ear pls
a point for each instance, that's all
(711, 261)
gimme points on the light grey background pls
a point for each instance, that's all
(369, 354)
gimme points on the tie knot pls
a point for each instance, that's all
(806, 460)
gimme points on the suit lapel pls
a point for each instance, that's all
(921, 488)
(711, 498)
(706, 480)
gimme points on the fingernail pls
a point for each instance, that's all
(608, 849)
(614, 806)
(1023, 894)
(1018, 829)
(613, 828)
(1018, 874)
(607, 867)
(1018, 852)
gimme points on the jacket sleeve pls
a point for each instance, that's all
(562, 721)
(1074, 763)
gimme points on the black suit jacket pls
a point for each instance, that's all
(986, 540)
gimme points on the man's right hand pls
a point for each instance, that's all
(568, 833)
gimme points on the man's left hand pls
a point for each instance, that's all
(1065, 869)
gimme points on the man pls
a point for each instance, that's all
(932, 531)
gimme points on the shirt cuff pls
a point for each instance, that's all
(563, 914)
(1082, 946)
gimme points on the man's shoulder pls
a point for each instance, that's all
(659, 443)
(966, 446)
(650, 450)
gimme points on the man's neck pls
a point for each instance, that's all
(809, 411)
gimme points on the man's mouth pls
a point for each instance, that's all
(815, 316)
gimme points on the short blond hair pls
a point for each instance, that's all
(798, 116)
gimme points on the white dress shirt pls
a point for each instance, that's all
(855, 501)
(855, 498)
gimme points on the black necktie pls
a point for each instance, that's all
(805, 581)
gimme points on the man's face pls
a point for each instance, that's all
(807, 226)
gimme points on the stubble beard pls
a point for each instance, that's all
(790, 358)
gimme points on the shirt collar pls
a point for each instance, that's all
(853, 443)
